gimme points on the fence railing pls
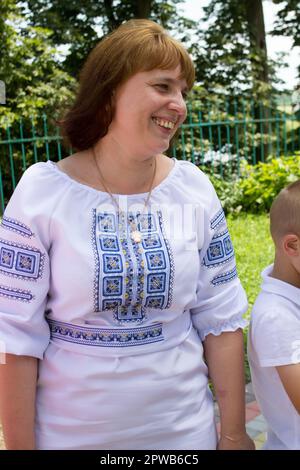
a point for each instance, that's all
(217, 136)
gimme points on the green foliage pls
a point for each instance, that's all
(287, 23)
(230, 53)
(35, 81)
(258, 185)
(229, 193)
(288, 20)
(43, 45)
(220, 131)
(79, 24)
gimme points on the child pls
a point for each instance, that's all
(274, 335)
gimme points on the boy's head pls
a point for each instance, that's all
(285, 223)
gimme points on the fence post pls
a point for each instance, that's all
(2, 93)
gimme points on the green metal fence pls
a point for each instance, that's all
(216, 135)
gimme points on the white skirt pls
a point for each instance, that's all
(154, 401)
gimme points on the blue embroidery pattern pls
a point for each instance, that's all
(130, 276)
(106, 337)
(107, 222)
(109, 243)
(17, 294)
(112, 263)
(156, 260)
(16, 226)
(171, 261)
(21, 261)
(217, 219)
(151, 242)
(112, 286)
(225, 277)
(220, 250)
(137, 309)
(156, 282)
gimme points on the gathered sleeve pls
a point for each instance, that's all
(24, 266)
(220, 298)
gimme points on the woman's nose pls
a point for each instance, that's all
(177, 103)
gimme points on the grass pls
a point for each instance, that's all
(254, 251)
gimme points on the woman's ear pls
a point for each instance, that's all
(291, 244)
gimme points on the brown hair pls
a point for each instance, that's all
(285, 212)
(136, 46)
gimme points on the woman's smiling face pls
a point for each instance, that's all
(149, 108)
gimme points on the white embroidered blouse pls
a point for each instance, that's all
(70, 273)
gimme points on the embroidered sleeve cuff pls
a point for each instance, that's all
(232, 324)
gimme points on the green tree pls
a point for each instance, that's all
(288, 23)
(232, 63)
(35, 81)
(231, 55)
(79, 24)
(288, 20)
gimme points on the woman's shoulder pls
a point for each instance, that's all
(193, 177)
(36, 168)
(193, 171)
(39, 175)
(198, 189)
(35, 198)
(39, 182)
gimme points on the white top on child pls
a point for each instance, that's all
(274, 340)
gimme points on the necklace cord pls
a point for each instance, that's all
(110, 193)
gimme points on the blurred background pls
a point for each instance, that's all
(244, 108)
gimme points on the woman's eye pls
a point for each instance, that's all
(162, 86)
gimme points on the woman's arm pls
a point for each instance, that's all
(18, 378)
(225, 360)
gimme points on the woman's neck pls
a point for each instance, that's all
(124, 173)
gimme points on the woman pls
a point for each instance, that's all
(116, 265)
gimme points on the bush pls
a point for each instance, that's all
(261, 184)
(229, 193)
(258, 185)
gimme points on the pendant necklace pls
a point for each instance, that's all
(135, 235)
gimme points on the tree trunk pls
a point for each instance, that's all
(143, 8)
(257, 36)
(109, 10)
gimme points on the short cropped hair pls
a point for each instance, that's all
(135, 46)
(285, 212)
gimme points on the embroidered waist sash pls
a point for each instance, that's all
(116, 341)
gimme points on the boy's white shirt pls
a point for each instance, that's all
(274, 340)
